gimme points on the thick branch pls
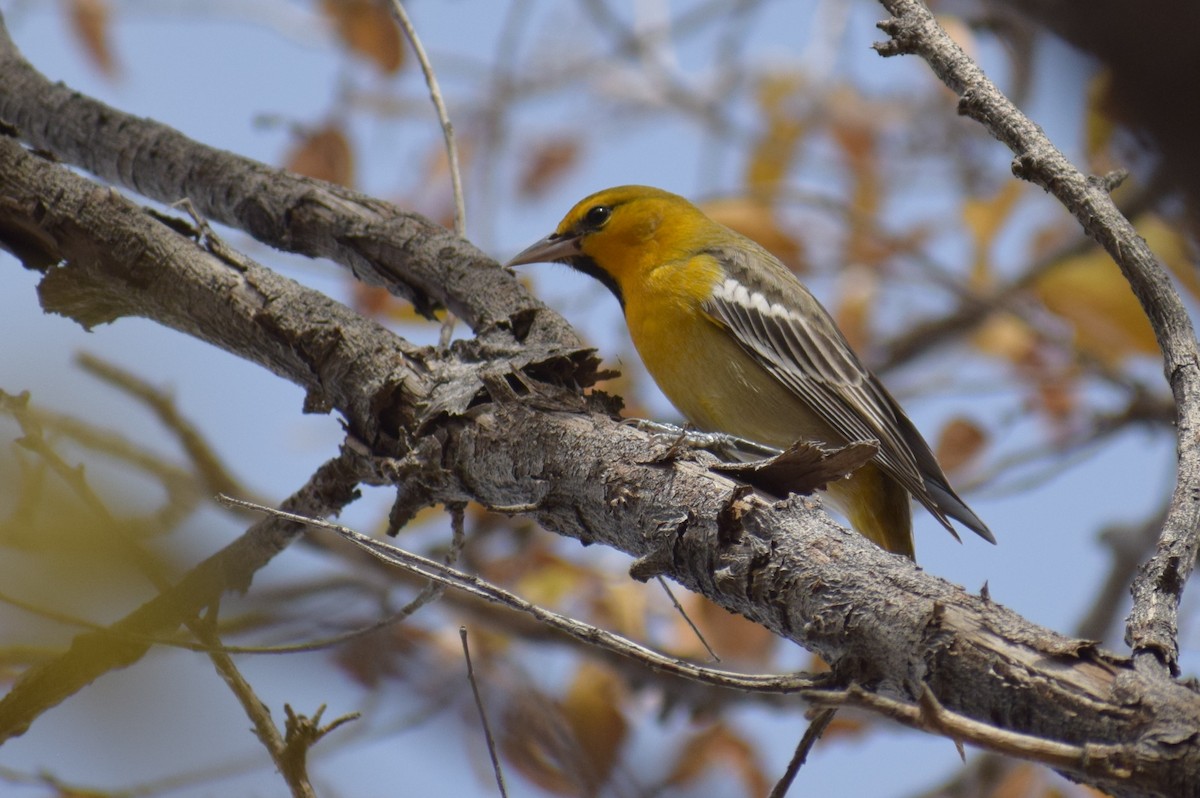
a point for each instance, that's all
(459, 426)
(380, 243)
(1153, 625)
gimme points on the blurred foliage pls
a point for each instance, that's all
(883, 197)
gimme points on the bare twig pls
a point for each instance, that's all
(815, 729)
(929, 715)
(435, 94)
(487, 729)
(260, 716)
(1152, 627)
(587, 633)
(691, 624)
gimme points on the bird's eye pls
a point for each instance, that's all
(597, 216)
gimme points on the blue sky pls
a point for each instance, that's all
(214, 74)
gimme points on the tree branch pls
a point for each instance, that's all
(497, 427)
(1153, 625)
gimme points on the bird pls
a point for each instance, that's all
(739, 345)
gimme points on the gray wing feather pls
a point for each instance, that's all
(807, 353)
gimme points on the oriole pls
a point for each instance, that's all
(740, 346)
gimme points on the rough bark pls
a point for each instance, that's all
(503, 427)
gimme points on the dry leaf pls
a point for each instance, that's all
(854, 131)
(1057, 395)
(325, 154)
(537, 740)
(960, 442)
(621, 608)
(567, 747)
(1005, 336)
(547, 578)
(732, 637)
(547, 164)
(1022, 780)
(592, 706)
(719, 747)
(1172, 248)
(90, 21)
(367, 28)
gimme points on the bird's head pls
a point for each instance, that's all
(619, 234)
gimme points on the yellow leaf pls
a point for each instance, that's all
(567, 747)
(1172, 248)
(549, 578)
(731, 636)
(1099, 126)
(854, 128)
(985, 218)
(1090, 292)
(621, 608)
(855, 303)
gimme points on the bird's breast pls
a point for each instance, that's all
(711, 380)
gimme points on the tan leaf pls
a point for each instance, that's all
(621, 608)
(538, 742)
(718, 746)
(567, 747)
(367, 28)
(1021, 780)
(1005, 336)
(732, 637)
(592, 706)
(854, 130)
(90, 20)
(325, 154)
(755, 219)
(847, 725)
(1057, 395)
(548, 578)
(960, 442)
(546, 165)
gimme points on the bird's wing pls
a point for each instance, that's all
(794, 338)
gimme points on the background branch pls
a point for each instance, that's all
(1153, 625)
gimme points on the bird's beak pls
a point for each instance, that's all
(553, 248)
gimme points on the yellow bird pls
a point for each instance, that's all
(740, 346)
